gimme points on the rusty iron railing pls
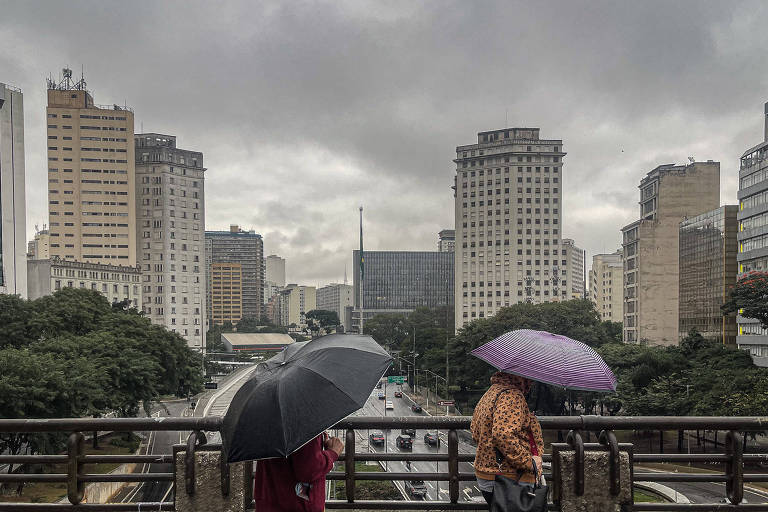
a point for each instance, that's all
(733, 459)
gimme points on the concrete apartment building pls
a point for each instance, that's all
(668, 195)
(446, 240)
(39, 247)
(336, 297)
(170, 229)
(274, 276)
(508, 201)
(606, 285)
(295, 302)
(400, 282)
(91, 177)
(13, 261)
(753, 236)
(235, 275)
(575, 268)
(115, 282)
(708, 269)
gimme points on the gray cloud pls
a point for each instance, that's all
(305, 110)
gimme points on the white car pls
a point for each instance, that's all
(390, 405)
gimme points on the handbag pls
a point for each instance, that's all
(511, 496)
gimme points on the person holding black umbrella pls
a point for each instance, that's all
(298, 481)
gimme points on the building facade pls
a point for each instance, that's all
(13, 235)
(239, 253)
(508, 207)
(295, 302)
(274, 276)
(668, 195)
(170, 229)
(336, 297)
(708, 269)
(401, 281)
(115, 282)
(39, 247)
(91, 177)
(446, 240)
(605, 285)
(753, 237)
(575, 268)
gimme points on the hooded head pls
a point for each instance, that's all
(510, 380)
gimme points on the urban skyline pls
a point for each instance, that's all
(670, 125)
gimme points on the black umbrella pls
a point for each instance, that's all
(296, 395)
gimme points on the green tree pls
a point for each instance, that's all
(388, 329)
(323, 317)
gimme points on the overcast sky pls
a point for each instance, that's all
(306, 110)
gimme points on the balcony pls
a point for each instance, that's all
(215, 478)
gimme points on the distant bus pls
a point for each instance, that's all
(211, 385)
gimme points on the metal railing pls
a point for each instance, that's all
(732, 459)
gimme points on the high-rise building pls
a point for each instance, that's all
(274, 276)
(235, 277)
(708, 269)
(91, 177)
(170, 229)
(295, 302)
(508, 223)
(753, 241)
(575, 268)
(446, 240)
(401, 281)
(335, 297)
(38, 247)
(668, 195)
(13, 235)
(605, 285)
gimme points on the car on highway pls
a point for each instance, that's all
(398, 394)
(376, 438)
(404, 442)
(416, 489)
(378, 385)
(389, 405)
(408, 432)
(416, 408)
(432, 439)
(192, 405)
(380, 395)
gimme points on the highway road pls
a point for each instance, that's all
(402, 407)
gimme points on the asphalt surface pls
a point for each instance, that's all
(402, 407)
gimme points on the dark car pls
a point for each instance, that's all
(398, 394)
(378, 386)
(431, 439)
(376, 438)
(416, 408)
(416, 489)
(408, 432)
(405, 442)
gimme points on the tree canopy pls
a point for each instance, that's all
(749, 297)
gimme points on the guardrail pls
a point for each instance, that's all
(732, 459)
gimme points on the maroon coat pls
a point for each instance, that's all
(275, 481)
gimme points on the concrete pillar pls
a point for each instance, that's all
(597, 488)
(207, 495)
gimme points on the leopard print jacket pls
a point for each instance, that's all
(509, 432)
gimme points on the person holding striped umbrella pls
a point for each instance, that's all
(507, 433)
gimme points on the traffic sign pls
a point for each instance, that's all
(397, 379)
(446, 402)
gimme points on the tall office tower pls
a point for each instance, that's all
(274, 276)
(753, 242)
(38, 247)
(446, 240)
(575, 269)
(295, 302)
(91, 177)
(400, 282)
(335, 297)
(708, 269)
(668, 195)
(235, 276)
(170, 229)
(508, 222)
(13, 261)
(605, 285)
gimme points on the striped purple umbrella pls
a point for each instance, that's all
(549, 358)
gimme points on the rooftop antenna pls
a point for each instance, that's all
(691, 159)
(345, 274)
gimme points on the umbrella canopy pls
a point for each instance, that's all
(549, 358)
(299, 393)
